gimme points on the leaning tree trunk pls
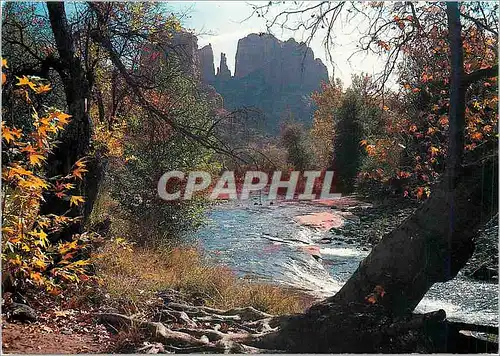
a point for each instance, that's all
(436, 242)
(430, 246)
(75, 140)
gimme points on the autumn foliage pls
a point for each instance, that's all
(28, 255)
(406, 152)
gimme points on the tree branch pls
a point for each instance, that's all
(480, 74)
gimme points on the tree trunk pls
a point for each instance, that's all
(436, 242)
(75, 140)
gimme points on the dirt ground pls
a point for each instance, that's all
(25, 339)
(58, 329)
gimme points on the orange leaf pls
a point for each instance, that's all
(371, 299)
(63, 118)
(43, 89)
(477, 136)
(77, 172)
(420, 193)
(55, 291)
(28, 149)
(10, 134)
(68, 256)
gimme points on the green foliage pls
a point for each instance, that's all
(295, 140)
(152, 148)
(348, 134)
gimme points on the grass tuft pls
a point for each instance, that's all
(134, 274)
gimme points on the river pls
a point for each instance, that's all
(265, 242)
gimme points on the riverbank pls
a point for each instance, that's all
(133, 281)
(373, 219)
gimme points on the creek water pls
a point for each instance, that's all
(265, 242)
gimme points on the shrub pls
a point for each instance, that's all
(29, 257)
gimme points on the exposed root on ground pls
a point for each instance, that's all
(199, 329)
(325, 327)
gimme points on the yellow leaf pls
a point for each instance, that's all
(9, 134)
(4, 63)
(17, 169)
(434, 151)
(41, 234)
(68, 246)
(35, 182)
(7, 230)
(36, 159)
(43, 89)
(76, 200)
(25, 81)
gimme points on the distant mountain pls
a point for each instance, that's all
(274, 76)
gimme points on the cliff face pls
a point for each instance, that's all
(185, 47)
(273, 76)
(206, 58)
(285, 65)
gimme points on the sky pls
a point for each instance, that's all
(222, 24)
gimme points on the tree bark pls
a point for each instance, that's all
(75, 140)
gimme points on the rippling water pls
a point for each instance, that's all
(265, 242)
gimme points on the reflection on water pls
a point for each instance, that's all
(264, 242)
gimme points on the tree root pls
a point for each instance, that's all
(331, 328)
(201, 331)
(157, 330)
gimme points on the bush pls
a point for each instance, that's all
(29, 257)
